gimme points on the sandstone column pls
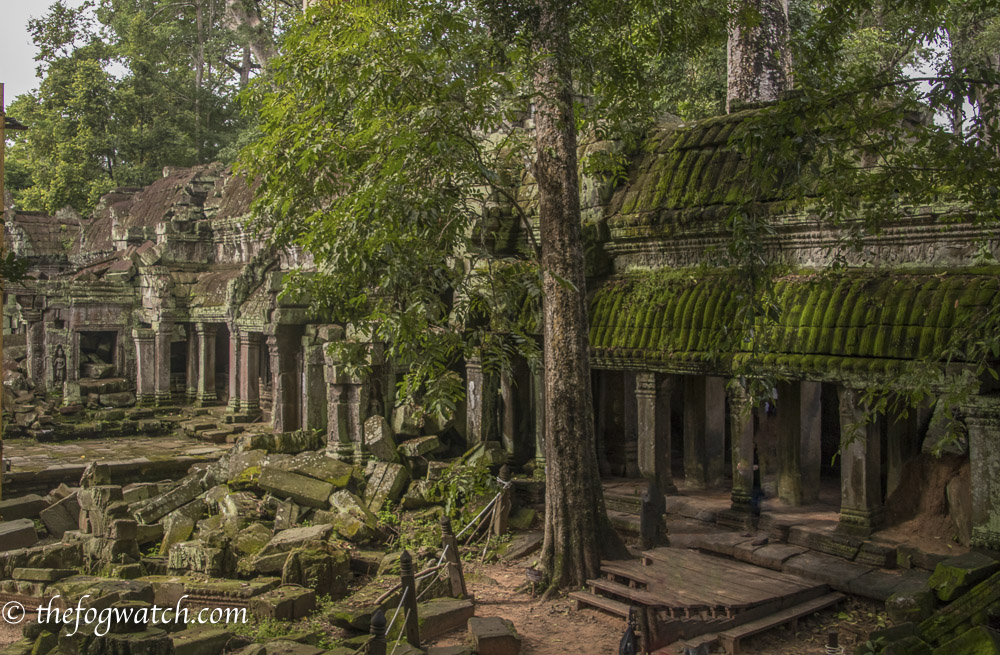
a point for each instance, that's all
(206, 364)
(900, 445)
(715, 430)
(630, 426)
(36, 347)
(481, 403)
(508, 423)
(538, 399)
(860, 466)
(145, 364)
(789, 443)
(704, 431)
(741, 428)
(249, 373)
(982, 420)
(695, 474)
(164, 332)
(283, 350)
(314, 402)
(653, 426)
(192, 363)
(235, 370)
(811, 442)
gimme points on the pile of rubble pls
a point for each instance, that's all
(273, 526)
(30, 412)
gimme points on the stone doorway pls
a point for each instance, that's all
(98, 353)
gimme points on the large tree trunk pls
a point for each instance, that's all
(758, 57)
(244, 17)
(575, 521)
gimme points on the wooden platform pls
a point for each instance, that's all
(686, 593)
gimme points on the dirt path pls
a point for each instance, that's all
(553, 628)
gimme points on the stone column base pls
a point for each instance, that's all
(859, 522)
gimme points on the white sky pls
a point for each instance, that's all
(17, 54)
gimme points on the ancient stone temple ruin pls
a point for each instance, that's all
(164, 298)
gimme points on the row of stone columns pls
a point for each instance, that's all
(799, 444)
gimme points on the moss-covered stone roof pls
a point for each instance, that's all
(685, 316)
(686, 173)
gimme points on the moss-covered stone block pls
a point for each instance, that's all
(955, 574)
(979, 640)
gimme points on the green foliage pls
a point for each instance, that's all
(127, 87)
(866, 140)
(459, 487)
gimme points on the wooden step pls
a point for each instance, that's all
(611, 606)
(639, 596)
(731, 638)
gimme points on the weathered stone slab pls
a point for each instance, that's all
(523, 545)
(317, 465)
(303, 490)
(25, 507)
(286, 603)
(154, 509)
(911, 603)
(322, 567)
(956, 574)
(350, 517)
(878, 555)
(62, 516)
(198, 557)
(420, 446)
(386, 482)
(407, 419)
(827, 569)
(774, 556)
(42, 575)
(493, 635)
(438, 617)
(954, 618)
(17, 534)
(200, 641)
(379, 439)
(295, 538)
(979, 639)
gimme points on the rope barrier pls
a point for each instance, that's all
(396, 645)
(402, 599)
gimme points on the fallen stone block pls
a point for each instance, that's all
(956, 574)
(251, 539)
(523, 545)
(493, 635)
(420, 446)
(912, 604)
(321, 567)
(25, 507)
(42, 575)
(154, 509)
(379, 439)
(200, 641)
(438, 617)
(62, 516)
(320, 467)
(286, 603)
(198, 557)
(303, 490)
(350, 517)
(979, 639)
(147, 534)
(17, 534)
(119, 399)
(407, 419)
(386, 482)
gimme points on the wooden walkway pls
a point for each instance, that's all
(686, 594)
